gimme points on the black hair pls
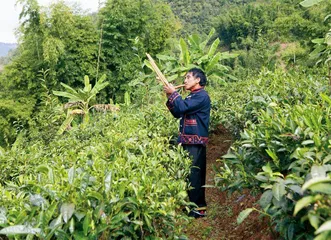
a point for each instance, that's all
(198, 73)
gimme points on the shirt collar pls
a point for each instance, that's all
(197, 90)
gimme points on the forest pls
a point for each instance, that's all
(87, 144)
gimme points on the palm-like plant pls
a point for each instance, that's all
(79, 101)
(197, 53)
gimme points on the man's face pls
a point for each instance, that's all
(191, 82)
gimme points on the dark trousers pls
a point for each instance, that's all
(197, 176)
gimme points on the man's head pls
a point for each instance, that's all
(194, 79)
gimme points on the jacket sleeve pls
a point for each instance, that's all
(178, 107)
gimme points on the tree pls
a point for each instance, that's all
(131, 28)
(59, 39)
(56, 39)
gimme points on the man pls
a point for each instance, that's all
(194, 112)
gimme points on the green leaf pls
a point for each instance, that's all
(243, 215)
(72, 225)
(72, 97)
(86, 223)
(295, 188)
(166, 57)
(323, 236)
(309, 3)
(19, 229)
(314, 219)
(261, 178)
(318, 40)
(324, 227)
(87, 84)
(212, 63)
(67, 209)
(108, 181)
(37, 200)
(273, 156)
(321, 188)
(278, 190)
(204, 43)
(267, 168)
(185, 56)
(42, 168)
(213, 47)
(71, 175)
(229, 156)
(194, 40)
(326, 98)
(266, 198)
(55, 223)
(3, 218)
(148, 221)
(99, 85)
(303, 202)
(65, 124)
(95, 195)
(70, 89)
(290, 231)
(318, 171)
(307, 142)
(313, 181)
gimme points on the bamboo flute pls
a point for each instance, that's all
(157, 70)
(180, 86)
(160, 74)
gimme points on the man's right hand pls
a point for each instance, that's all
(169, 89)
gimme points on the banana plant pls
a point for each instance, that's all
(195, 52)
(79, 101)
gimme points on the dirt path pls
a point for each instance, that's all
(221, 222)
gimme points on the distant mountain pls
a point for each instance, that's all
(5, 47)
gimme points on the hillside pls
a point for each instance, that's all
(5, 47)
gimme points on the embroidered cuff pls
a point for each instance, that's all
(173, 96)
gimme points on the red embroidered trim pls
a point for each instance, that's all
(190, 122)
(173, 96)
(193, 139)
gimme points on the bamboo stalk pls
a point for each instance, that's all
(180, 86)
(157, 70)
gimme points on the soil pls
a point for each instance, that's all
(223, 210)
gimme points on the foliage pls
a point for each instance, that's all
(55, 39)
(284, 144)
(195, 16)
(232, 107)
(112, 179)
(79, 101)
(15, 114)
(250, 27)
(130, 29)
(196, 54)
(322, 48)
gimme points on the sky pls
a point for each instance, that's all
(9, 13)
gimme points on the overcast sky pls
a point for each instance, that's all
(9, 15)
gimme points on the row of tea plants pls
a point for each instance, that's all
(116, 178)
(283, 152)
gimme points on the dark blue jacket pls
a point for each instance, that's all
(194, 112)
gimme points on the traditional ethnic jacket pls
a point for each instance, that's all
(194, 112)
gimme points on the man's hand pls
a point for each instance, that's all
(169, 89)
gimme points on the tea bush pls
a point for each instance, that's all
(284, 151)
(116, 178)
